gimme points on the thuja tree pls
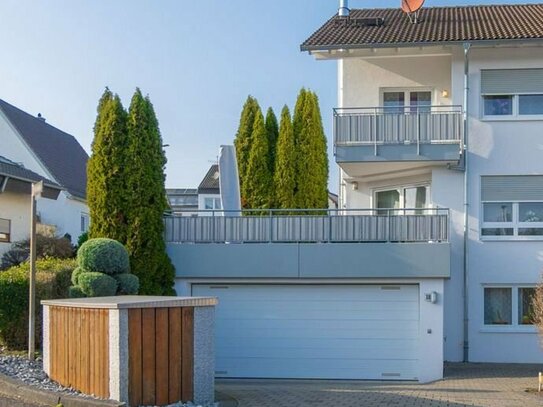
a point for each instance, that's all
(537, 305)
(147, 200)
(106, 171)
(242, 142)
(312, 158)
(258, 185)
(284, 177)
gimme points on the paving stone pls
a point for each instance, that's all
(481, 385)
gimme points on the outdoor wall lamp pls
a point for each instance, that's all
(431, 297)
(354, 185)
(445, 93)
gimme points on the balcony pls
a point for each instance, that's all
(405, 137)
(311, 243)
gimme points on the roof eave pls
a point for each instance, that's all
(337, 47)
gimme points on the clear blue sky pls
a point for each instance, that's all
(198, 60)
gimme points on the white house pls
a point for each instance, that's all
(209, 190)
(52, 154)
(439, 244)
(15, 199)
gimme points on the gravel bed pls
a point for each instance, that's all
(31, 373)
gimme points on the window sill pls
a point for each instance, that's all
(526, 118)
(511, 238)
(509, 329)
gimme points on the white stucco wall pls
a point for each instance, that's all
(65, 212)
(496, 148)
(16, 208)
(501, 148)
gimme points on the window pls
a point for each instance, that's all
(212, 203)
(408, 197)
(512, 93)
(510, 306)
(498, 306)
(512, 105)
(5, 230)
(513, 219)
(403, 101)
(84, 222)
(525, 307)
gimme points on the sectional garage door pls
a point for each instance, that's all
(316, 331)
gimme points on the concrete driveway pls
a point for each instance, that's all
(492, 385)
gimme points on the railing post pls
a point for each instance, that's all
(388, 225)
(271, 226)
(418, 133)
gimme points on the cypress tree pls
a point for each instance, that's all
(106, 173)
(285, 164)
(312, 171)
(147, 203)
(259, 181)
(242, 142)
(272, 129)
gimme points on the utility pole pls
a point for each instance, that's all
(37, 189)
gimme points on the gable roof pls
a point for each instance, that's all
(436, 25)
(58, 151)
(14, 170)
(210, 183)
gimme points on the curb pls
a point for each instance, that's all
(17, 389)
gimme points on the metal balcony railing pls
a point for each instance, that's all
(310, 226)
(397, 125)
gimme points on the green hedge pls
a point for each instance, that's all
(52, 281)
(128, 284)
(96, 284)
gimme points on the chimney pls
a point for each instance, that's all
(343, 8)
(40, 117)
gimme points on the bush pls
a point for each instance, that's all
(537, 304)
(76, 292)
(128, 284)
(46, 246)
(103, 256)
(95, 284)
(52, 281)
(75, 275)
(83, 237)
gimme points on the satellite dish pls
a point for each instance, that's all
(411, 8)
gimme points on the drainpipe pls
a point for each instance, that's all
(467, 47)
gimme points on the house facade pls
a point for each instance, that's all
(436, 246)
(50, 153)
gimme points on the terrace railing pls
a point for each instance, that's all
(310, 226)
(397, 125)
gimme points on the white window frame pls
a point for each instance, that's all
(85, 222)
(214, 205)
(400, 189)
(515, 326)
(406, 91)
(516, 116)
(515, 224)
(8, 239)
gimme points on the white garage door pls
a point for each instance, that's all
(316, 331)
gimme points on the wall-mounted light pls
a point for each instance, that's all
(354, 184)
(431, 297)
(445, 93)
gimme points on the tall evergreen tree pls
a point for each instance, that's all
(298, 115)
(272, 128)
(312, 171)
(147, 203)
(259, 181)
(106, 172)
(242, 142)
(285, 164)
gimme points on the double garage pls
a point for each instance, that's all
(322, 331)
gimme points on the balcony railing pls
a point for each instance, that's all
(397, 125)
(310, 226)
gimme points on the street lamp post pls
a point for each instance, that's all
(37, 189)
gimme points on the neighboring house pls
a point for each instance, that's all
(15, 199)
(209, 191)
(52, 154)
(183, 201)
(388, 292)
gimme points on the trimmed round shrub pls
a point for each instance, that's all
(103, 256)
(76, 292)
(96, 284)
(75, 275)
(129, 284)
